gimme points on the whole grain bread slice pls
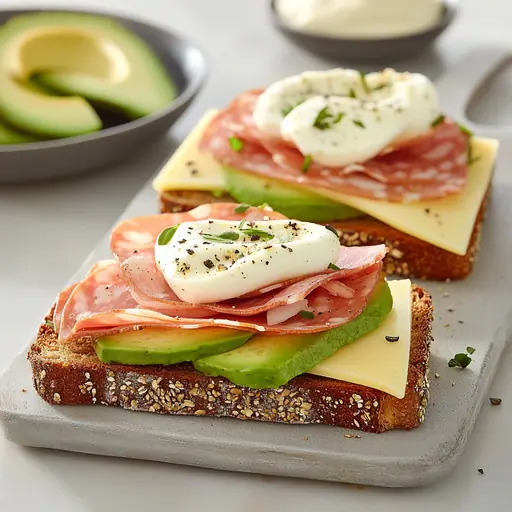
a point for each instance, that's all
(63, 377)
(408, 256)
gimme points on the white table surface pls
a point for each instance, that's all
(47, 230)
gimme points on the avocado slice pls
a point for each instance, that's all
(167, 346)
(291, 201)
(269, 361)
(9, 135)
(88, 57)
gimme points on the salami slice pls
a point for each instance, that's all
(132, 244)
(103, 289)
(151, 290)
(429, 166)
(329, 311)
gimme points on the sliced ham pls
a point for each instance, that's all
(429, 166)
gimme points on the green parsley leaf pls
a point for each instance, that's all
(470, 350)
(242, 208)
(321, 122)
(461, 360)
(338, 118)
(306, 314)
(49, 323)
(364, 82)
(306, 163)
(287, 110)
(358, 123)
(352, 94)
(465, 130)
(224, 238)
(438, 120)
(236, 144)
(332, 266)
(166, 235)
(263, 235)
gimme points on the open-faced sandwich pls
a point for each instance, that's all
(371, 154)
(236, 311)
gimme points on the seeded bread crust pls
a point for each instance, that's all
(64, 377)
(407, 257)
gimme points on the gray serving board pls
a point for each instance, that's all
(481, 318)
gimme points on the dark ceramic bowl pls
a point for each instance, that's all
(380, 52)
(55, 158)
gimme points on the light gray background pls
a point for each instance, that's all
(41, 249)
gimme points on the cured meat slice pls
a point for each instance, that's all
(132, 243)
(64, 295)
(429, 166)
(103, 289)
(151, 290)
(329, 312)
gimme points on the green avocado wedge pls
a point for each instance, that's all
(270, 361)
(291, 201)
(167, 346)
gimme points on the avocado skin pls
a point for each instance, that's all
(269, 361)
(151, 346)
(291, 201)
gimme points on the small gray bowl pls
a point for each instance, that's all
(35, 161)
(380, 52)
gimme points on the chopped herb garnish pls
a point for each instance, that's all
(217, 193)
(321, 121)
(438, 120)
(260, 234)
(352, 94)
(461, 360)
(225, 238)
(287, 110)
(358, 123)
(495, 401)
(306, 163)
(242, 208)
(208, 264)
(364, 82)
(470, 350)
(241, 225)
(332, 266)
(49, 323)
(392, 339)
(338, 118)
(166, 235)
(332, 230)
(236, 143)
(465, 130)
(264, 205)
(306, 314)
(380, 87)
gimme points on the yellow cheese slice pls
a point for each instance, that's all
(446, 223)
(373, 361)
(178, 172)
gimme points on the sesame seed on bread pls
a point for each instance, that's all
(63, 376)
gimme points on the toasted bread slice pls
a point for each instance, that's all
(64, 377)
(408, 256)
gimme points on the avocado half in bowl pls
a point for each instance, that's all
(82, 90)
